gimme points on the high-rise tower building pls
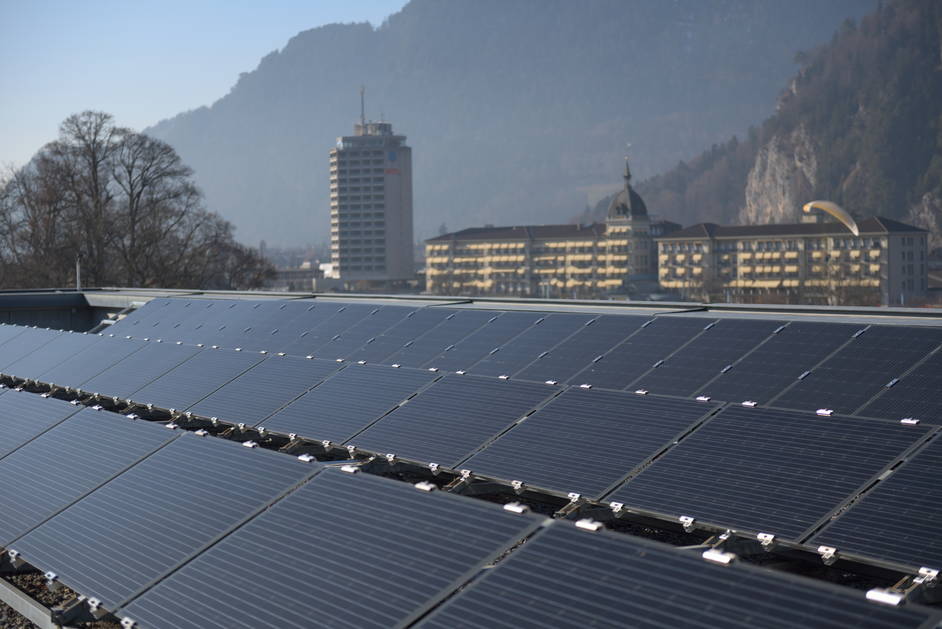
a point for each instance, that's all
(371, 204)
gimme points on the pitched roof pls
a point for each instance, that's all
(524, 232)
(871, 225)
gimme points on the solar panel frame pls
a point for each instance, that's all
(61, 348)
(381, 571)
(264, 388)
(635, 356)
(196, 378)
(578, 351)
(132, 531)
(860, 370)
(899, 520)
(24, 416)
(775, 365)
(348, 402)
(67, 462)
(500, 329)
(566, 577)
(768, 470)
(521, 350)
(452, 418)
(587, 441)
(702, 359)
(139, 369)
(458, 325)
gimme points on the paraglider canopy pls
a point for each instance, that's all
(834, 210)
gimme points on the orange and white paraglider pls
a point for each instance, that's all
(834, 210)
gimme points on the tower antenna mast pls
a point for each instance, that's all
(362, 106)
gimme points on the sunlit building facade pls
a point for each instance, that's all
(801, 263)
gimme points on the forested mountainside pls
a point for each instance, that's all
(860, 124)
(516, 111)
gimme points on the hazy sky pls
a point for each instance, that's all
(141, 61)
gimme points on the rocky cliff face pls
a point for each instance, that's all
(927, 213)
(781, 180)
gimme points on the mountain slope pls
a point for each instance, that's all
(516, 111)
(861, 124)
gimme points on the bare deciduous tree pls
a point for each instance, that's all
(126, 205)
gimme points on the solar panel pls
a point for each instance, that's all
(191, 381)
(348, 402)
(156, 515)
(459, 324)
(358, 334)
(24, 416)
(255, 321)
(359, 551)
(704, 357)
(8, 331)
(414, 325)
(195, 314)
(566, 577)
(148, 315)
(323, 329)
(767, 470)
(856, 373)
(452, 418)
(523, 349)
(498, 330)
(630, 360)
(764, 373)
(60, 348)
(24, 344)
(586, 440)
(91, 361)
(66, 462)
(143, 366)
(263, 389)
(578, 351)
(898, 520)
(918, 394)
(273, 322)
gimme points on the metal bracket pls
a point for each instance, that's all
(884, 596)
(688, 523)
(828, 554)
(518, 485)
(767, 540)
(715, 555)
(425, 486)
(588, 524)
(516, 507)
(928, 577)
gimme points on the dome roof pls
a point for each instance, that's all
(627, 204)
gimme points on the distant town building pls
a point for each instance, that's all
(550, 260)
(802, 263)
(371, 206)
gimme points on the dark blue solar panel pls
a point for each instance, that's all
(523, 349)
(61, 348)
(352, 338)
(150, 316)
(766, 470)
(24, 416)
(323, 329)
(586, 440)
(88, 363)
(24, 344)
(8, 331)
(900, 519)
(332, 561)
(140, 368)
(250, 323)
(918, 394)
(452, 418)
(850, 378)
(265, 388)
(272, 320)
(71, 459)
(565, 577)
(698, 362)
(414, 325)
(628, 361)
(499, 329)
(447, 334)
(764, 373)
(578, 351)
(221, 324)
(142, 524)
(191, 381)
(348, 402)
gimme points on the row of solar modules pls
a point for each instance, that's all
(107, 506)
(878, 371)
(768, 470)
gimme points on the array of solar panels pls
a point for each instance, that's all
(547, 399)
